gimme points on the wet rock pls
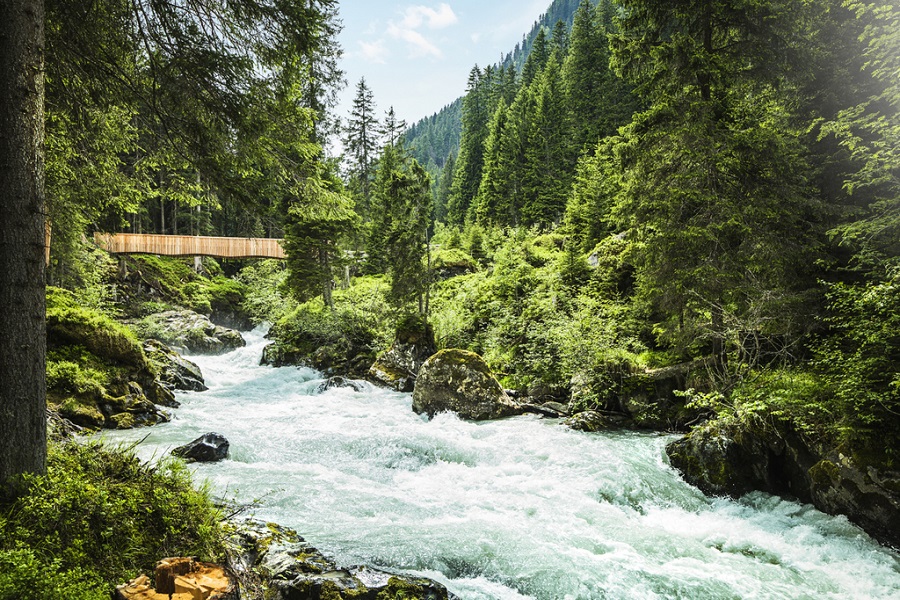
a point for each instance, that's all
(399, 365)
(543, 410)
(460, 381)
(276, 558)
(210, 447)
(340, 382)
(190, 331)
(734, 458)
(175, 371)
(589, 421)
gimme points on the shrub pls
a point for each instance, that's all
(99, 517)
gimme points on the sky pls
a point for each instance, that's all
(416, 56)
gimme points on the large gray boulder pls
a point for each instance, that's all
(460, 381)
(190, 331)
(175, 371)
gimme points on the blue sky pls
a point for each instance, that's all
(417, 56)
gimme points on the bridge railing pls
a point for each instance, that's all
(189, 245)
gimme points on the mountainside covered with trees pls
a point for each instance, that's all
(434, 139)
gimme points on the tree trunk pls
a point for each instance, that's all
(23, 331)
(326, 279)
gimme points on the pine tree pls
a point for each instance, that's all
(393, 127)
(470, 161)
(442, 196)
(548, 170)
(315, 225)
(714, 181)
(586, 76)
(361, 144)
(493, 203)
(540, 54)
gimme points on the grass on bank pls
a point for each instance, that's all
(99, 517)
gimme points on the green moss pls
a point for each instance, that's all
(459, 357)
(85, 414)
(399, 589)
(824, 473)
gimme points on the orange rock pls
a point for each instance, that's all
(180, 579)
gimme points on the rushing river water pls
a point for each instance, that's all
(509, 509)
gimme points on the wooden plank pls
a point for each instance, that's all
(189, 245)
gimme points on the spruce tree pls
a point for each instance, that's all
(470, 161)
(361, 145)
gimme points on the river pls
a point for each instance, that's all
(510, 509)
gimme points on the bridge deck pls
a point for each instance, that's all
(189, 245)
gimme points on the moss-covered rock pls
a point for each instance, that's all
(97, 373)
(733, 458)
(460, 381)
(292, 569)
(175, 371)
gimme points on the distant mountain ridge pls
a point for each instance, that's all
(432, 139)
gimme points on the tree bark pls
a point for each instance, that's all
(23, 333)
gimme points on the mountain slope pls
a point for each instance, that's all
(433, 138)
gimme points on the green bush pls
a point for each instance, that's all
(97, 518)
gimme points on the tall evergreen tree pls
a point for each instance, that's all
(361, 144)
(714, 187)
(470, 161)
(540, 54)
(586, 76)
(548, 170)
(23, 421)
(442, 196)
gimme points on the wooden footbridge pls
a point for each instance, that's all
(189, 245)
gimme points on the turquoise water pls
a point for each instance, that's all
(509, 509)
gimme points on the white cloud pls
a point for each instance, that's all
(415, 16)
(419, 46)
(374, 52)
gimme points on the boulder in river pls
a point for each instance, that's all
(175, 371)
(293, 569)
(460, 381)
(193, 332)
(340, 382)
(210, 447)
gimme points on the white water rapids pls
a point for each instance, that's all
(509, 509)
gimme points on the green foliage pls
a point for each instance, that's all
(98, 518)
(263, 283)
(361, 319)
(70, 323)
(859, 357)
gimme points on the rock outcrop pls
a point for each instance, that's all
(266, 555)
(175, 371)
(189, 331)
(460, 381)
(210, 447)
(732, 459)
(97, 373)
(398, 366)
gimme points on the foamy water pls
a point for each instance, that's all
(509, 509)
